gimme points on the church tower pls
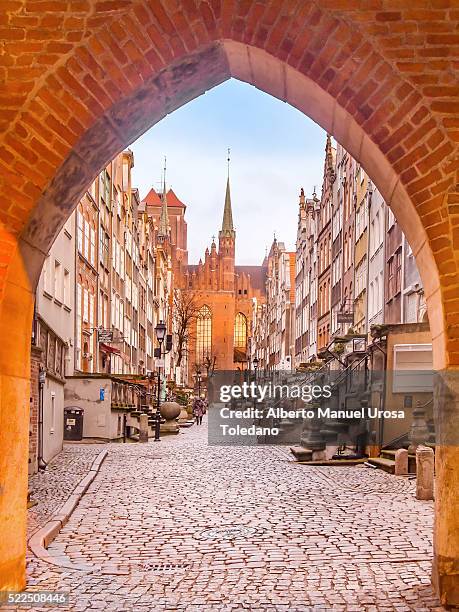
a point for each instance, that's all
(227, 243)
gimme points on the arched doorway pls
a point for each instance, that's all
(109, 75)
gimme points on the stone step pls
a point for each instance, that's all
(390, 454)
(388, 465)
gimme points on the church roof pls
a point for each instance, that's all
(154, 199)
(172, 200)
(257, 275)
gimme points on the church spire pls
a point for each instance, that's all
(163, 230)
(329, 162)
(227, 224)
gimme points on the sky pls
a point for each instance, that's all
(275, 150)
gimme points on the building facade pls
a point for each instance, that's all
(353, 267)
(224, 294)
(52, 353)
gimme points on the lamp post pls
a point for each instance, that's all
(160, 331)
(256, 363)
(199, 379)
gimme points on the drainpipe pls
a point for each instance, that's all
(41, 384)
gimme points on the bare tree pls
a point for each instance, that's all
(209, 363)
(185, 312)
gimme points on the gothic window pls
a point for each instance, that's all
(203, 333)
(240, 331)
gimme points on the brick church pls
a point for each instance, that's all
(224, 291)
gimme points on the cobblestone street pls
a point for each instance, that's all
(183, 526)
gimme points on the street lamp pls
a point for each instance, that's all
(199, 379)
(256, 363)
(160, 331)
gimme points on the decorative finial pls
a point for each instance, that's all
(228, 160)
(213, 239)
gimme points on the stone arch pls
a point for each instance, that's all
(109, 71)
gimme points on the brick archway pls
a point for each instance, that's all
(81, 86)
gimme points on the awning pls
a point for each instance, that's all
(109, 349)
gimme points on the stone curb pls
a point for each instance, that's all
(42, 538)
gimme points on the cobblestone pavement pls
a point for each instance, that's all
(51, 488)
(182, 526)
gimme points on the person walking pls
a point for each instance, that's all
(198, 410)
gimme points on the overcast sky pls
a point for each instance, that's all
(275, 150)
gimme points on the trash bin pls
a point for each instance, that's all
(73, 423)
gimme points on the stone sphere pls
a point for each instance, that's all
(170, 410)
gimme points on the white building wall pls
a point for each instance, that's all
(54, 306)
(55, 295)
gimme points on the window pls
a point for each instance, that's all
(66, 295)
(91, 310)
(117, 311)
(86, 240)
(203, 334)
(92, 255)
(121, 263)
(127, 329)
(240, 331)
(101, 244)
(381, 290)
(58, 287)
(371, 301)
(360, 277)
(104, 187)
(78, 326)
(80, 232)
(85, 306)
(128, 288)
(116, 199)
(391, 219)
(92, 190)
(47, 284)
(113, 253)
